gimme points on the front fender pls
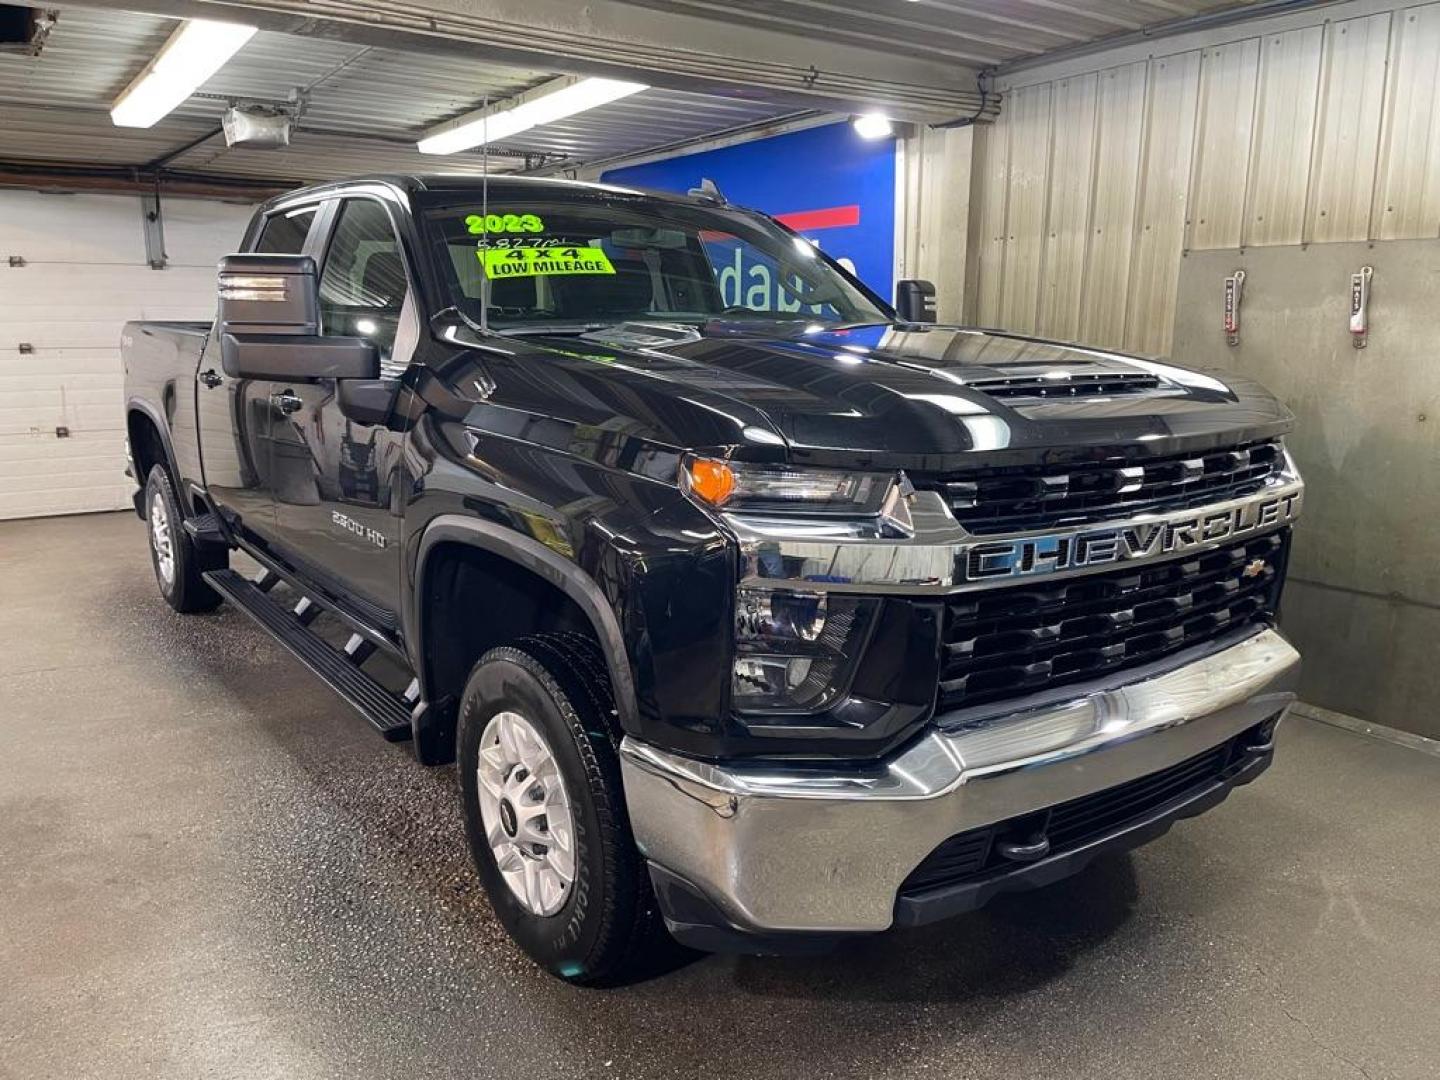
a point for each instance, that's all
(535, 557)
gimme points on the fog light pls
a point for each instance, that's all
(783, 683)
(772, 674)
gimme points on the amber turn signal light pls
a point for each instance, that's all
(709, 480)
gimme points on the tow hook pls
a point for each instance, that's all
(1037, 847)
(1262, 738)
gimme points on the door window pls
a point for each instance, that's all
(284, 233)
(363, 289)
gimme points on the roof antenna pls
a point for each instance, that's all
(485, 217)
(709, 191)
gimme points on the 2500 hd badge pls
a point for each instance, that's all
(363, 531)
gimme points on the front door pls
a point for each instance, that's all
(337, 483)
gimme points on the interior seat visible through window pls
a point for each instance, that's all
(627, 292)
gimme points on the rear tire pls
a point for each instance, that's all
(602, 926)
(177, 562)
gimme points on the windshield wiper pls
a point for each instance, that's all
(562, 330)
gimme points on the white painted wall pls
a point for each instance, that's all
(84, 275)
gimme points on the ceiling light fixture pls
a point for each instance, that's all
(873, 125)
(195, 51)
(545, 104)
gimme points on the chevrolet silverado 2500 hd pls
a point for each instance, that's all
(755, 612)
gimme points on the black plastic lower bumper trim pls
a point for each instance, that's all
(695, 922)
(949, 900)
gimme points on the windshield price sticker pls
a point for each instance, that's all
(480, 224)
(535, 262)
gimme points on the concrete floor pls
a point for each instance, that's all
(211, 868)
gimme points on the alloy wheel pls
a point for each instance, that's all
(160, 539)
(526, 811)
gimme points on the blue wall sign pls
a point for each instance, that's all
(826, 183)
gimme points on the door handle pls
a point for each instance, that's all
(287, 401)
(211, 378)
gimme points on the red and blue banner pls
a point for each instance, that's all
(826, 183)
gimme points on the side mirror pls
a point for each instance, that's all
(295, 357)
(915, 301)
(269, 324)
(269, 294)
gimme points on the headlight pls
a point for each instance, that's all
(795, 651)
(761, 489)
(779, 615)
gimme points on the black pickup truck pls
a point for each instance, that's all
(755, 612)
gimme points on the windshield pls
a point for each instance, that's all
(604, 259)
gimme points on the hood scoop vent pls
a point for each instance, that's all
(1060, 383)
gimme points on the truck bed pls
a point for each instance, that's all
(157, 354)
(164, 326)
(161, 359)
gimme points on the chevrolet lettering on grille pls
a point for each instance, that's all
(1165, 535)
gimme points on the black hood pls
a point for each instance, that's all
(923, 398)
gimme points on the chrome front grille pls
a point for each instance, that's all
(1019, 498)
(1010, 642)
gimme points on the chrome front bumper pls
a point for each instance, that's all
(782, 851)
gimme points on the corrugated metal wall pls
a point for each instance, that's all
(932, 213)
(1092, 185)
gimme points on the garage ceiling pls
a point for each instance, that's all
(368, 77)
(361, 107)
(984, 33)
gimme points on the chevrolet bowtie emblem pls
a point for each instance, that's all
(1254, 568)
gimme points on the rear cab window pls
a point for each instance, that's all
(284, 232)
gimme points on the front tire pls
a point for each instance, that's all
(177, 563)
(545, 813)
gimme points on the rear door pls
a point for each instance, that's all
(236, 416)
(338, 486)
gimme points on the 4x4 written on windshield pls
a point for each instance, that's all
(538, 257)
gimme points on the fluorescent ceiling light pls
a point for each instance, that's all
(195, 51)
(545, 104)
(875, 125)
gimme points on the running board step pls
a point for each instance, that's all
(205, 529)
(386, 712)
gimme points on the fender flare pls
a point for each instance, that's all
(529, 554)
(162, 426)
